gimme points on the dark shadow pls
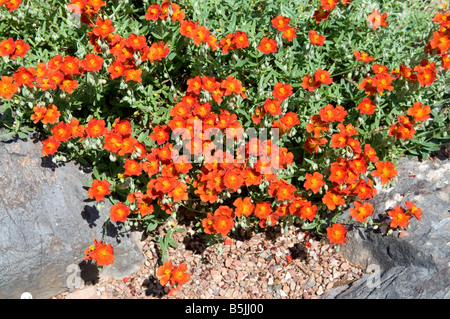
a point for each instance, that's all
(154, 287)
(195, 243)
(273, 232)
(89, 271)
(298, 251)
(90, 214)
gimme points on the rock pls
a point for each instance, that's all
(47, 221)
(86, 293)
(413, 266)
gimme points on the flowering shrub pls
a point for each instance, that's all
(243, 114)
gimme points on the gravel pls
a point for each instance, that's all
(266, 266)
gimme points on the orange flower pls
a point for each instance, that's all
(316, 126)
(426, 74)
(370, 153)
(362, 56)
(119, 212)
(413, 210)
(337, 234)
(145, 205)
(24, 76)
(102, 253)
(39, 112)
(289, 34)
(263, 210)
(103, 28)
(233, 179)
(160, 134)
(309, 83)
(290, 119)
(70, 65)
(328, 4)
(367, 106)
(132, 168)
(179, 192)
(312, 144)
(385, 170)
(315, 38)
(96, 127)
(164, 272)
(243, 206)
(50, 146)
(333, 198)
(208, 224)
(92, 62)
(399, 217)
(62, 132)
(280, 23)
(20, 50)
(8, 87)
(323, 77)
(377, 19)
(194, 85)
(273, 107)
(267, 46)
(328, 113)
(240, 40)
(165, 184)
(179, 275)
(420, 112)
(231, 85)
(52, 115)
(282, 91)
(99, 189)
(321, 14)
(223, 224)
(382, 81)
(308, 211)
(314, 182)
(7, 47)
(361, 211)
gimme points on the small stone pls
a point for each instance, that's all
(345, 266)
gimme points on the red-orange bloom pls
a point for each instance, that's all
(21, 49)
(363, 56)
(92, 62)
(280, 23)
(273, 107)
(164, 272)
(102, 253)
(308, 211)
(328, 4)
(385, 170)
(282, 91)
(243, 206)
(367, 106)
(50, 146)
(52, 115)
(316, 38)
(399, 217)
(132, 168)
(309, 83)
(119, 212)
(268, 46)
(96, 127)
(337, 234)
(413, 210)
(420, 112)
(99, 189)
(263, 210)
(377, 20)
(289, 34)
(103, 28)
(323, 77)
(333, 198)
(314, 182)
(361, 211)
(8, 87)
(62, 132)
(180, 276)
(160, 134)
(223, 224)
(7, 47)
(240, 39)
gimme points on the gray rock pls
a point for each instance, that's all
(47, 221)
(415, 266)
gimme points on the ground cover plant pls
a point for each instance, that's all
(236, 114)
